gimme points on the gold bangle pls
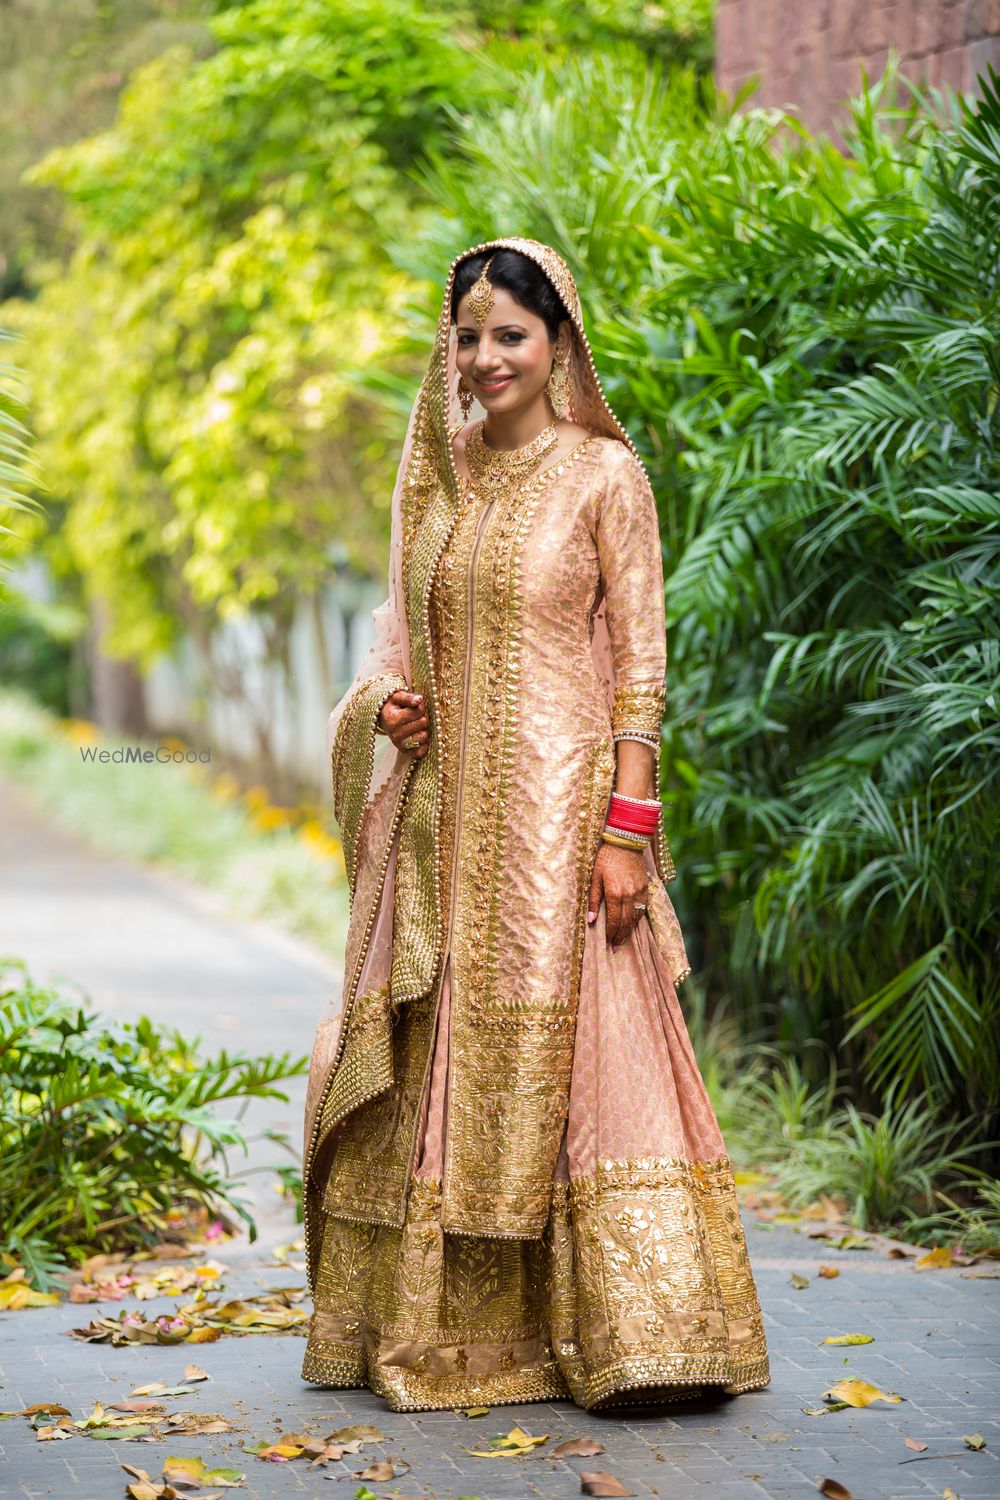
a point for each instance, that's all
(623, 843)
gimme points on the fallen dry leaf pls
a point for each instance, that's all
(976, 1442)
(475, 1411)
(599, 1482)
(321, 1455)
(379, 1472)
(849, 1338)
(949, 1494)
(935, 1259)
(797, 1281)
(195, 1372)
(577, 1448)
(16, 1292)
(360, 1433)
(859, 1393)
(192, 1473)
(828, 1272)
(199, 1322)
(198, 1424)
(137, 1473)
(917, 1446)
(516, 1442)
(276, 1453)
(834, 1490)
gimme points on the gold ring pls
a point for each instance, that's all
(411, 742)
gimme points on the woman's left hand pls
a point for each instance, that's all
(621, 877)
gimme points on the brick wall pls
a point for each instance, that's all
(808, 53)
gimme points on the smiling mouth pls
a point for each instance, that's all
(495, 385)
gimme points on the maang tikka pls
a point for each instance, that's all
(481, 296)
(560, 382)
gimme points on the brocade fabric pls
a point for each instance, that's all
(516, 1185)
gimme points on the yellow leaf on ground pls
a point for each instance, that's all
(797, 1281)
(194, 1473)
(859, 1393)
(15, 1293)
(828, 1272)
(517, 1441)
(934, 1259)
(849, 1338)
(976, 1442)
(834, 1490)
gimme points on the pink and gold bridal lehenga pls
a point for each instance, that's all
(515, 1186)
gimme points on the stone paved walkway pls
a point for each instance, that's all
(141, 942)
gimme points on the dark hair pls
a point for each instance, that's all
(517, 274)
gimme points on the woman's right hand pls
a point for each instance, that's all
(404, 717)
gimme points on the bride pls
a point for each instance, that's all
(515, 1186)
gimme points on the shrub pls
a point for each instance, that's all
(105, 1125)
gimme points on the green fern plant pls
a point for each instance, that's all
(104, 1126)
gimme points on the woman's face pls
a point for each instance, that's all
(507, 362)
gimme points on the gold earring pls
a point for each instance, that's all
(465, 397)
(560, 382)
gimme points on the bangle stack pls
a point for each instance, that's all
(631, 821)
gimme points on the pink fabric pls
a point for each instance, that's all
(636, 1089)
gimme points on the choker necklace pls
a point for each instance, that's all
(496, 471)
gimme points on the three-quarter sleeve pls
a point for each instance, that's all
(631, 563)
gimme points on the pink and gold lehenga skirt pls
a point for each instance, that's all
(641, 1288)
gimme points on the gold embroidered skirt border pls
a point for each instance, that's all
(640, 1291)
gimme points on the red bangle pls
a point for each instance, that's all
(635, 819)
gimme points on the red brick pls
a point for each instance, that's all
(974, 12)
(952, 25)
(874, 28)
(843, 32)
(927, 29)
(727, 35)
(977, 56)
(874, 64)
(751, 15)
(900, 25)
(843, 73)
(952, 66)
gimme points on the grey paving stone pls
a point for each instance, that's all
(141, 943)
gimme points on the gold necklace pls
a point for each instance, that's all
(497, 471)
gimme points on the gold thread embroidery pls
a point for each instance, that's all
(641, 1284)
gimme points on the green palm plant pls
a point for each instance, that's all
(804, 341)
(16, 465)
